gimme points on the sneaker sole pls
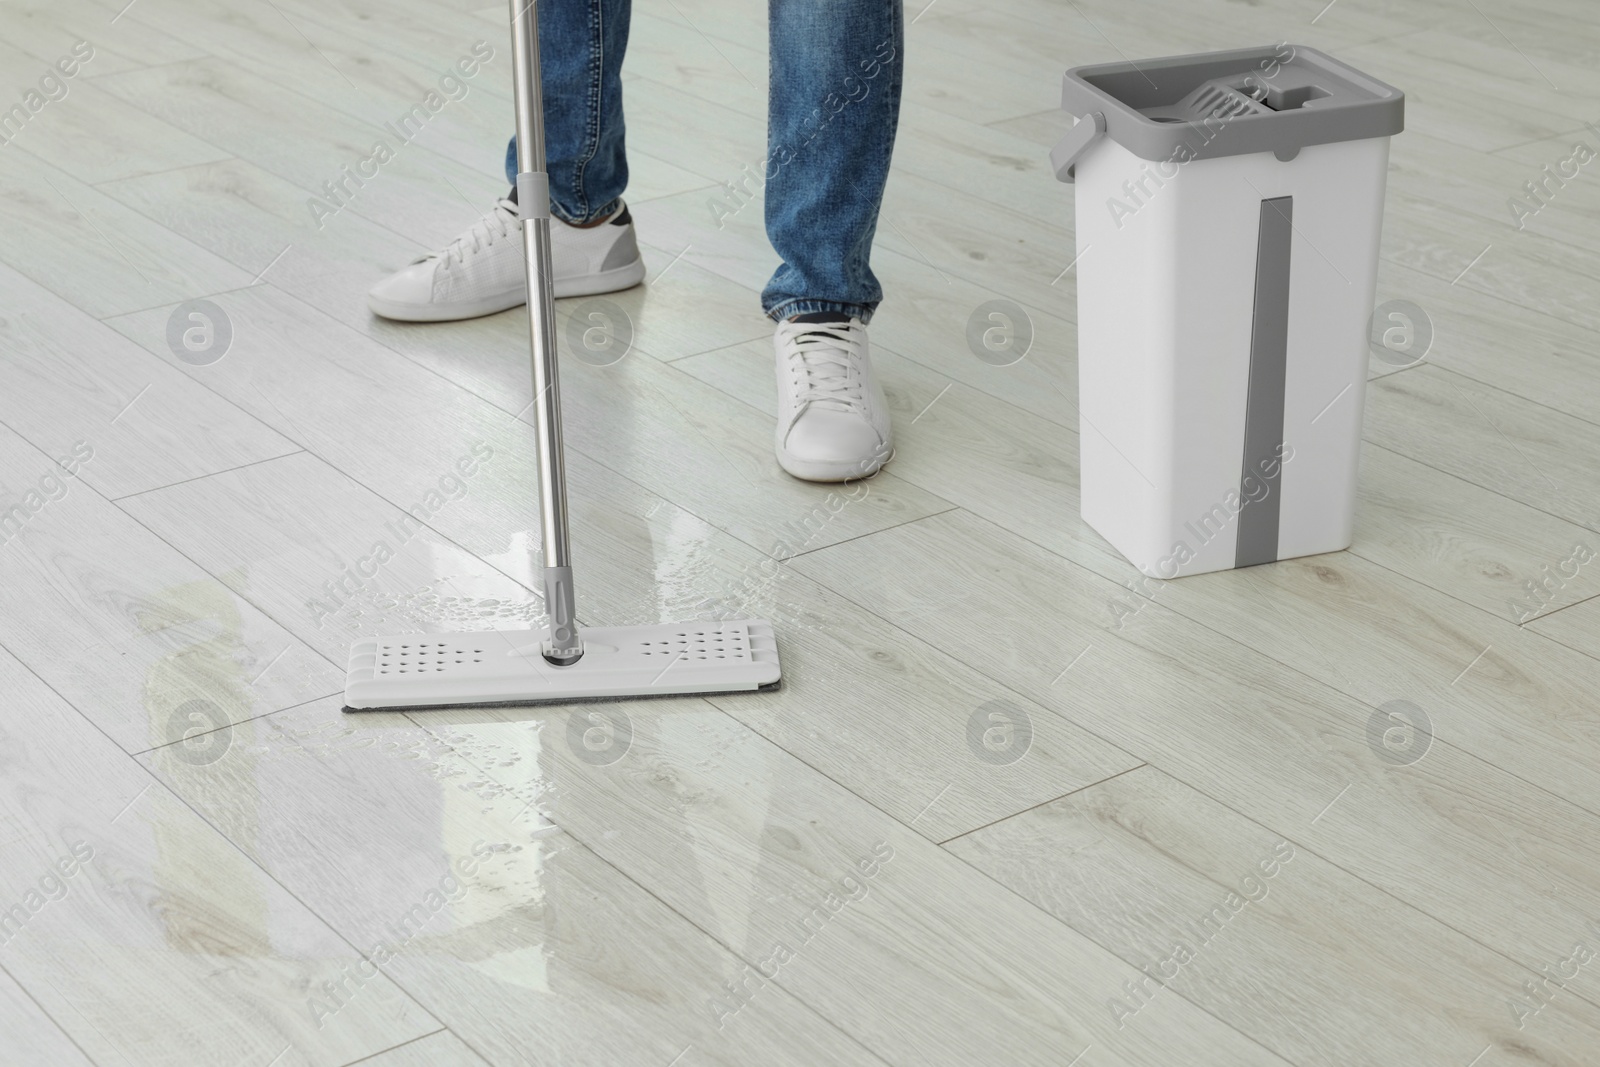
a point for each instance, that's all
(609, 281)
(847, 471)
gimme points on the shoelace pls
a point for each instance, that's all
(825, 365)
(482, 233)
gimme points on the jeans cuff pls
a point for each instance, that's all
(807, 307)
(607, 210)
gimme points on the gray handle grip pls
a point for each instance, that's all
(1075, 142)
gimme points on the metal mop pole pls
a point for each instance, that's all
(563, 645)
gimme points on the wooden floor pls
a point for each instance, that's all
(1200, 847)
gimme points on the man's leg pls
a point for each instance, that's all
(593, 249)
(832, 110)
(581, 45)
(833, 106)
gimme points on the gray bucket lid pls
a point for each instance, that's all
(1275, 98)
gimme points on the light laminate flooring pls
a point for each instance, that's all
(1195, 843)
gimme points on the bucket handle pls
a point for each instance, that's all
(1075, 142)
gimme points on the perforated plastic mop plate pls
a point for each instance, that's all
(478, 668)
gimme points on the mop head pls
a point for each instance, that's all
(499, 667)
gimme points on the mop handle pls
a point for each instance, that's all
(533, 200)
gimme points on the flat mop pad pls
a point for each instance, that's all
(489, 667)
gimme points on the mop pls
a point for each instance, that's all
(562, 662)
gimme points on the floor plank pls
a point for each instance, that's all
(1576, 627)
(1503, 693)
(1519, 449)
(1554, 278)
(1526, 353)
(442, 1049)
(78, 385)
(97, 137)
(136, 636)
(1449, 95)
(167, 946)
(1315, 964)
(48, 29)
(260, 222)
(92, 251)
(419, 192)
(31, 1035)
(1504, 557)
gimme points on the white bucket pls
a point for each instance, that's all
(1223, 300)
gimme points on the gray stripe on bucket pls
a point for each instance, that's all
(1263, 420)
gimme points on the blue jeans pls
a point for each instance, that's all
(832, 109)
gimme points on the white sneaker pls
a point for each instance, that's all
(833, 421)
(481, 272)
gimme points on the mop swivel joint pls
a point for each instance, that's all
(563, 647)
